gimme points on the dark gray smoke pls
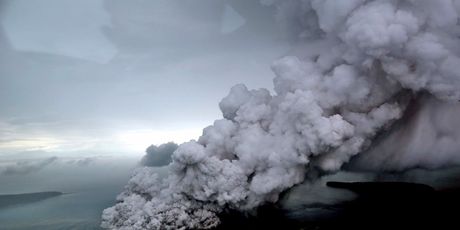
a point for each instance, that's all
(159, 155)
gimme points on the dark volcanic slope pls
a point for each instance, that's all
(379, 205)
(20, 199)
(396, 204)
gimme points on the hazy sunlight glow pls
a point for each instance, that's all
(139, 140)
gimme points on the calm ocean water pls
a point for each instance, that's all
(80, 210)
(88, 190)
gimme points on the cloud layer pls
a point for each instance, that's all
(26, 167)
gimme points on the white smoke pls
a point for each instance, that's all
(357, 67)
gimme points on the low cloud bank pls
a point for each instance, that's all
(27, 166)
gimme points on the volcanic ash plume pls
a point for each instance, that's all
(159, 155)
(359, 65)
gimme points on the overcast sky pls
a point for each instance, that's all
(116, 76)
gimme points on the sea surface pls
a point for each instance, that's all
(80, 210)
(87, 192)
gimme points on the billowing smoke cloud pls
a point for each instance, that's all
(427, 136)
(26, 167)
(159, 155)
(358, 67)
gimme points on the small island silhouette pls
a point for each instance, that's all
(9, 200)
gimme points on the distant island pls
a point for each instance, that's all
(9, 200)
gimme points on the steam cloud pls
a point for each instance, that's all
(360, 66)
